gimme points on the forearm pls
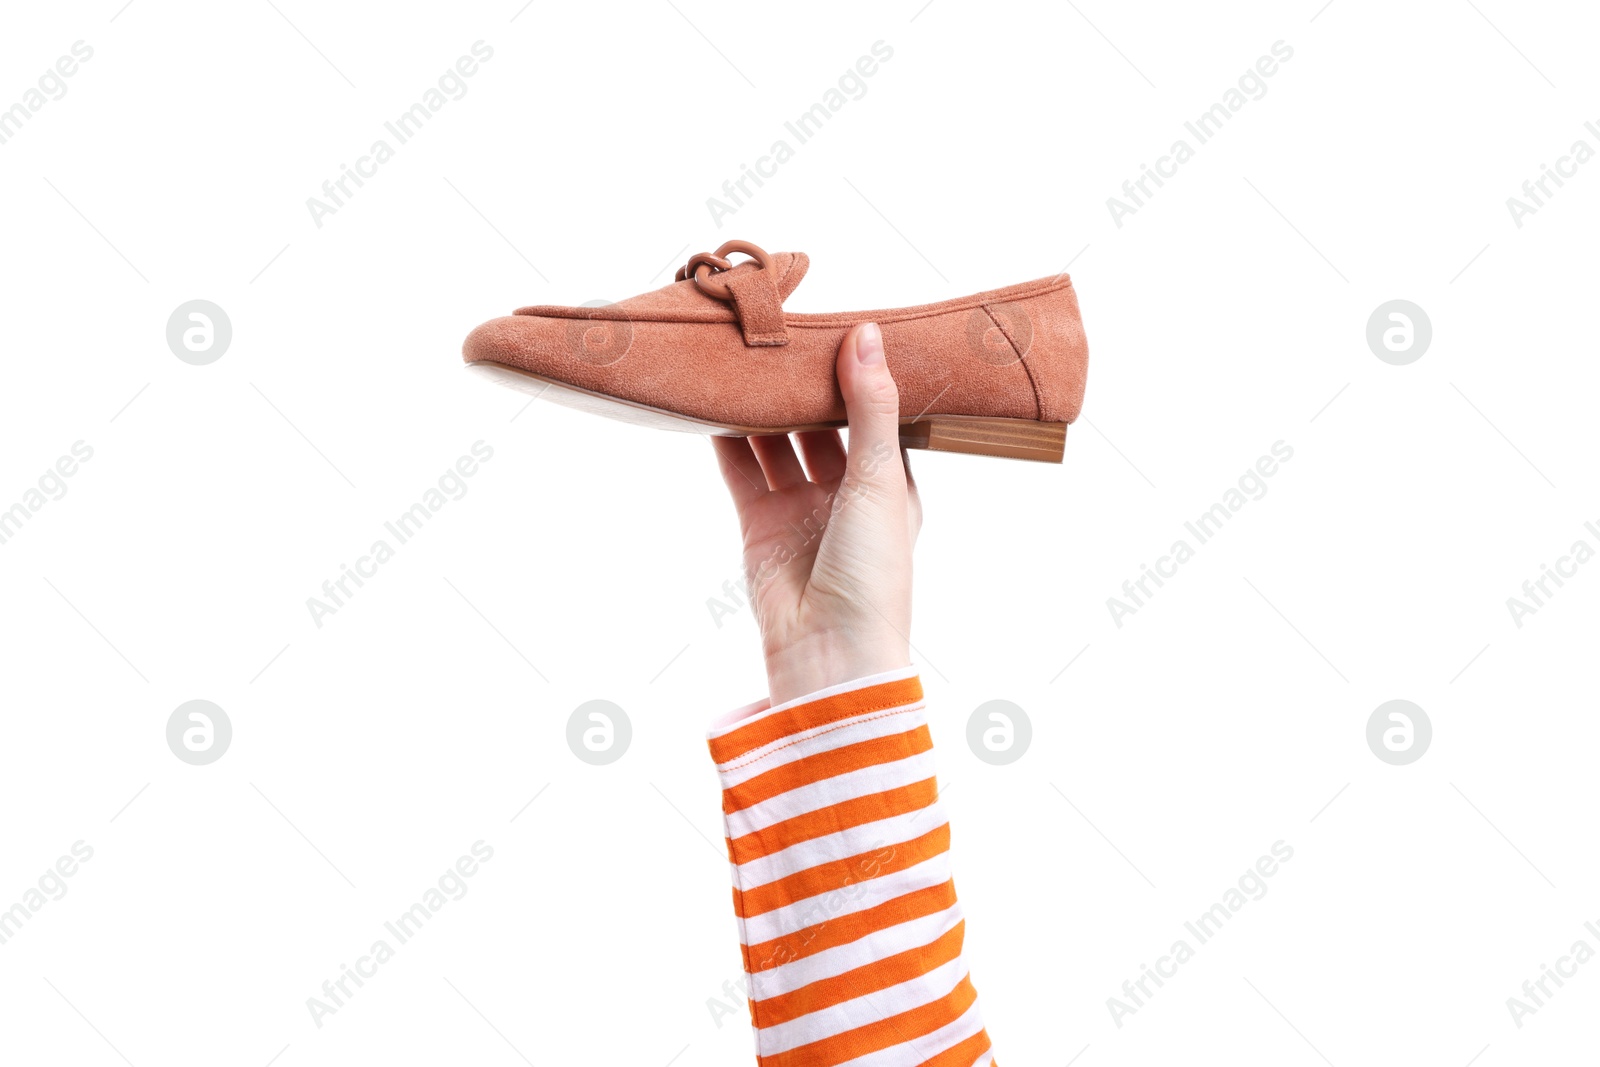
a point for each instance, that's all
(846, 908)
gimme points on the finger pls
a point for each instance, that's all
(905, 460)
(740, 470)
(777, 458)
(872, 403)
(913, 498)
(823, 453)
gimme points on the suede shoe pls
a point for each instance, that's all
(999, 373)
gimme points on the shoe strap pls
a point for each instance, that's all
(753, 293)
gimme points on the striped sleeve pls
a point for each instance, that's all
(847, 913)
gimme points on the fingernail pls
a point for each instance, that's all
(869, 344)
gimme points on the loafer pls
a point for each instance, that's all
(998, 373)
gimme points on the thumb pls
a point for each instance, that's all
(872, 404)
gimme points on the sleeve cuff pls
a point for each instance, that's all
(744, 731)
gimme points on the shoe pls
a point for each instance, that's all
(999, 373)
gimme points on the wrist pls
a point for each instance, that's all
(820, 662)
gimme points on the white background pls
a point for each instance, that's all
(1228, 314)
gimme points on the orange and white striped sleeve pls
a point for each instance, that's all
(842, 889)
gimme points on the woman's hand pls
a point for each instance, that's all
(828, 558)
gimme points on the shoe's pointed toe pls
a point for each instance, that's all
(497, 341)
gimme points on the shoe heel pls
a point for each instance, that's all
(1044, 442)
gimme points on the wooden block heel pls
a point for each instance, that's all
(1045, 442)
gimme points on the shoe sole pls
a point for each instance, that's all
(1043, 442)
